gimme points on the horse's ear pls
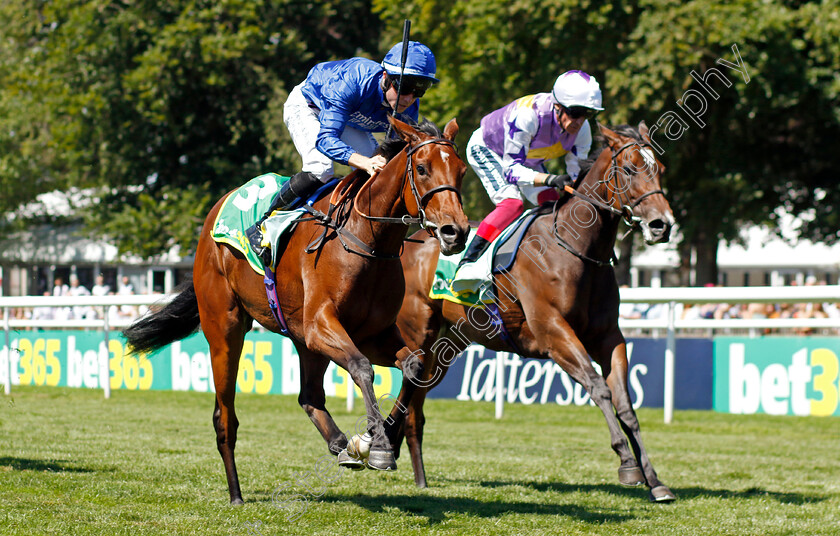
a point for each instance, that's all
(450, 130)
(406, 131)
(612, 138)
(643, 131)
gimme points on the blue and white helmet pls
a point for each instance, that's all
(576, 88)
(419, 62)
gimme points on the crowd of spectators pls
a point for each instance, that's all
(720, 311)
(738, 310)
(121, 313)
(124, 313)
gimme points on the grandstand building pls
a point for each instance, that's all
(31, 260)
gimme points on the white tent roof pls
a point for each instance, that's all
(64, 243)
(762, 248)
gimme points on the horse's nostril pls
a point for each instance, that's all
(449, 231)
(660, 230)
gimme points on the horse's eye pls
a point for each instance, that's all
(421, 169)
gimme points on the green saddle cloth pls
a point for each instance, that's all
(472, 283)
(243, 208)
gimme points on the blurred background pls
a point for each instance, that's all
(122, 122)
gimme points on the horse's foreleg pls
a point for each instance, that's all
(389, 349)
(570, 354)
(326, 336)
(313, 399)
(433, 373)
(414, 423)
(420, 324)
(616, 375)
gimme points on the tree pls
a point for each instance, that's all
(762, 140)
(490, 53)
(766, 142)
(158, 107)
(162, 107)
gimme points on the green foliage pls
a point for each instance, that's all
(490, 53)
(138, 217)
(173, 97)
(186, 96)
(766, 143)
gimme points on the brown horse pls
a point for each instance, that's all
(559, 300)
(340, 302)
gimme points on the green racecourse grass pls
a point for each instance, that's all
(146, 463)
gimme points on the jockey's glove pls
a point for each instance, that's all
(558, 181)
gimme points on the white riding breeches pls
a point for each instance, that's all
(488, 166)
(301, 119)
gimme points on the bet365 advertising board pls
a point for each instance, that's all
(774, 375)
(268, 365)
(778, 376)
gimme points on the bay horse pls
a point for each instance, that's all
(339, 287)
(567, 308)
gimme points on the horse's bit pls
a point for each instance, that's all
(625, 210)
(366, 251)
(420, 201)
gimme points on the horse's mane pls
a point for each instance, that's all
(391, 147)
(601, 145)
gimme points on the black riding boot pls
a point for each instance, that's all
(301, 184)
(474, 251)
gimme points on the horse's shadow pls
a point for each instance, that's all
(29, 464)
(437, 509)
(686, 493)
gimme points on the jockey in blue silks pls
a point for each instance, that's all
(333, 113)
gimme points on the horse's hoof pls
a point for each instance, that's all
(350, 462)
(237, 501)
(381, 460)
(662, 494)
(631, 476)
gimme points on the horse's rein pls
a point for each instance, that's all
(421, 201)
(341, 194)
(625, 210)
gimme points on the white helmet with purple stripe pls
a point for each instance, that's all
(576, 88)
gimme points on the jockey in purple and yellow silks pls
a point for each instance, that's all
(508, 150)
(332, 114)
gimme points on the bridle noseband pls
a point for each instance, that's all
(362, 249)
(625, 209)
(421, 201)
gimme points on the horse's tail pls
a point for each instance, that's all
(176, 320)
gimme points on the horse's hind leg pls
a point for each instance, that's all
(389, 349)
(615, 371)
(313, 399)
(433, 372)
(414, 423)
(224, 327)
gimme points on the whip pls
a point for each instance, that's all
(406, 30)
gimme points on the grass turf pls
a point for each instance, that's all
(146, 463)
